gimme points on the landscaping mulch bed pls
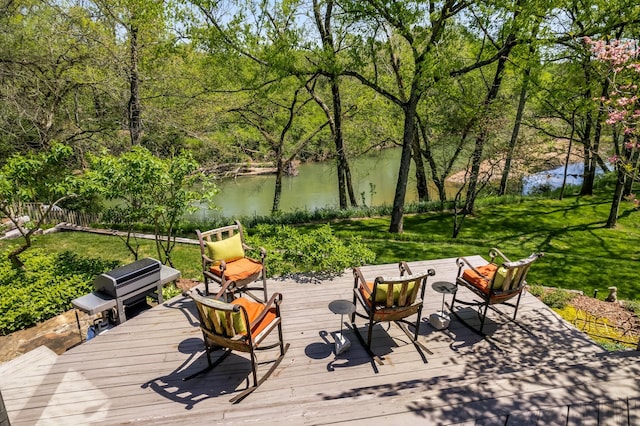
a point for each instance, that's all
(615, 312)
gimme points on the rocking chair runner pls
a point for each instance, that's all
(390, 299)
(493, 283)
(241, 325)
(224, 261)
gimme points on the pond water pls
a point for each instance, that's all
(552, 179)
(374, 179)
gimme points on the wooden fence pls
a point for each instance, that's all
(57, 215)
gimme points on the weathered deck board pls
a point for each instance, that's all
(133, 372)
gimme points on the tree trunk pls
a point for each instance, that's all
(472, 191)
(135, 123)
(617, 198)
(421, 177)
(514, 134)
(405, 162)
(339, 143)
(567, 158)
(588, 171)
(277, 193)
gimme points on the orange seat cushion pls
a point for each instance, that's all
(253, 310)
(238, 270)
(481, 282)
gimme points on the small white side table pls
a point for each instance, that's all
(441, 319)
(342, 307)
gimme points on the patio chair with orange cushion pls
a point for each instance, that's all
(242, 325)
(493, 283)
(224, 261)
(390, 299)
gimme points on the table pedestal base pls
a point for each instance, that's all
(342, 343)
(439, 320)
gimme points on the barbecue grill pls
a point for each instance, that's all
(130, 284)
(125, 286)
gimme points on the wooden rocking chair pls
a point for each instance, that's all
(241, 325)
(390, 299)
(494, 283)
(224, 261)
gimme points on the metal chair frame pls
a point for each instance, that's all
(231, 287)
(244, 341)
(408, 303)
(512, 286)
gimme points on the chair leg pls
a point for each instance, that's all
(242, 395)
(211, 365)
(264, 285)
(484, 316)
(515, 312)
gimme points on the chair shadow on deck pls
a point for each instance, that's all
(172, 386)
(355, 355)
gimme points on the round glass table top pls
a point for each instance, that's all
(343, 307)
(444, 287)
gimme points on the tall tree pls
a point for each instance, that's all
(330, 49)
(140, 22)
(623, 105)
(277, 118)
(419, 29)
(50, 74)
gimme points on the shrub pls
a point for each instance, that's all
(45, 286)
(536, 290)
(633, 306)
(318, 250)
(557, 298)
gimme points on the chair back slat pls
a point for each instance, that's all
(512, 274)
(210, 312)
(399, 290)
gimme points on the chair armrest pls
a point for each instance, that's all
(275, 300)
(263, 251)
(206, 261)
(462, 262)
(404, 268)
(494, 252)
(359, 279)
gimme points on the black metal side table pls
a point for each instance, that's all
(441, 319)
(342, 307)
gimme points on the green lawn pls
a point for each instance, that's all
(579, 252)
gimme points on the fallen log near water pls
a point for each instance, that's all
(233, 170)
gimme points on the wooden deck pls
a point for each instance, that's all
(546, 374)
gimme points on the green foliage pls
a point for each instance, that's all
(557, 298)
(149, 191)
(599, 329)
(633, 306)
(43, 177)
(536, 290)
(290, 250)
(45, 286)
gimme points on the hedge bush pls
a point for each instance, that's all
(45, 286)
(318, 250)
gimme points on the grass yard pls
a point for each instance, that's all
(579, 252)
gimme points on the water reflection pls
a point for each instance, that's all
(374, 178)
(552, 179)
